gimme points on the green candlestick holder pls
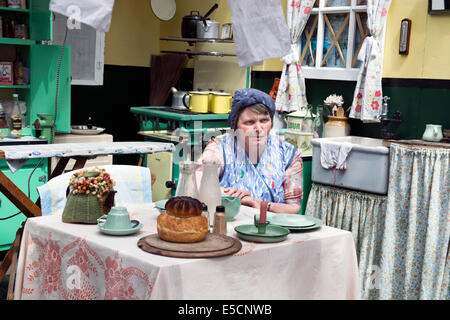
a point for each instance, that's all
(261, 226)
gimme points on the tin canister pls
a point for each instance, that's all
(16, 124)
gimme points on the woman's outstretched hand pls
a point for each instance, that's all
(238, 193)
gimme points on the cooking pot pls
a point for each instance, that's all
(177, 99)
(221, 102)
(189, 22)
(189, 25)
(198, 101)
(208, 30)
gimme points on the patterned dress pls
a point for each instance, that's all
(277, 177)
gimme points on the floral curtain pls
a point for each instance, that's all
(368, 96)
(415, 252)
(291, 91)
(363, 215)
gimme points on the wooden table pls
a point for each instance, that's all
(81, 152)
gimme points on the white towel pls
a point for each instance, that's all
(334, 155)
(260, 31)
(95, 13)
(133, 185)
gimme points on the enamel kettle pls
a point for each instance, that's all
(433, 132)
(177, 99)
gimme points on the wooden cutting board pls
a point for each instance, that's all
(214, 245)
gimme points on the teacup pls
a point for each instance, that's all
(117, 218)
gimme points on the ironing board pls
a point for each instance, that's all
(81, 152)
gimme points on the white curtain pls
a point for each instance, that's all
(368, 96)
(291, 91)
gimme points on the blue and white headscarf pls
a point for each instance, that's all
(246, 97)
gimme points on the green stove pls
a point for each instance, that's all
(166, 124)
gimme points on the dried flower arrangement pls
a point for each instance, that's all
(95, 181)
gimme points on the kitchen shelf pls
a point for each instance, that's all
(199, 53)
(197, 40)
(15, 86)
(14, 9)
(16, 41)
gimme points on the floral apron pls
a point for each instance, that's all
(263, 181)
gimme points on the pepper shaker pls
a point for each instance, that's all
(220, 221)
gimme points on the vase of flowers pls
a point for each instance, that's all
(337, 124)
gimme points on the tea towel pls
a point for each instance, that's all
(95, 13)
(334, 155)
(260, 31)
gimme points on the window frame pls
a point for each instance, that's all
(346, 73)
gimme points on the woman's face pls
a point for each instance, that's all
(254, 127)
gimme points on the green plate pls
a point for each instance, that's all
(161, 204)
(273, 233)
(291, 220)
(119, 232)
(317, 224)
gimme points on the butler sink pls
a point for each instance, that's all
(367, 165)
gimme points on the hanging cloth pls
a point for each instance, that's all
(95, 13)
(291, 91)
(368, 96)
(259, 30)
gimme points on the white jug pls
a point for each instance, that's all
(210, 193)
(433, 132)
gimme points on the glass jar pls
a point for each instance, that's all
(187, 184)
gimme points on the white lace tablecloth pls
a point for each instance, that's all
(74, 261)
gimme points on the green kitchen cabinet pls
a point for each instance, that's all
(40, 96)
(43, 61)
(307, 167)
(9, 226)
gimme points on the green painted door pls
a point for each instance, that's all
(40, 20)
(44, 60)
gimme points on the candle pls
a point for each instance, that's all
(263, 212)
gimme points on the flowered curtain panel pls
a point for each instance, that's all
(291, 91)
(368, 96)
(363, 215)
(415, 251)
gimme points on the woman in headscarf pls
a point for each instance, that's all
(256, 165)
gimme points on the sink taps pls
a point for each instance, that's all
(385, 109)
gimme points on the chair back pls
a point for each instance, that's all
(133, 185)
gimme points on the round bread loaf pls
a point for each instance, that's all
(182, 229)
(183, 207)
(182, 221)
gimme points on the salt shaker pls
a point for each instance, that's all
(205, 213)
(220, 221)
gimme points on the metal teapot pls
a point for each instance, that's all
(177, 99)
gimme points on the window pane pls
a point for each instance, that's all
(336, 56)
(360, 32)
(361, 2)
(309, 53)
(337, 3)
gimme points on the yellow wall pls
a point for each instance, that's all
(135, 32)
(429, 48)
(133, 35)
